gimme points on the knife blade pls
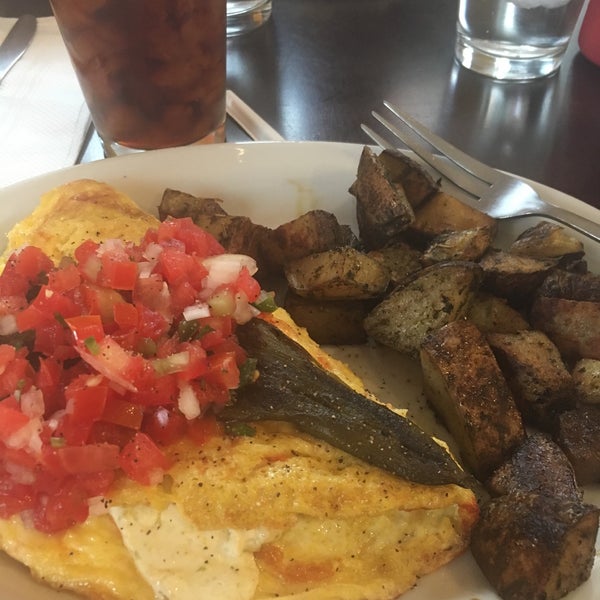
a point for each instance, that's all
(16, 42)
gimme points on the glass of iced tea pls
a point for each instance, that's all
(152, 71)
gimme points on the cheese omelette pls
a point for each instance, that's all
(276, 515)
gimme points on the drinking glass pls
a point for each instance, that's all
(152, 71)
(515, 39)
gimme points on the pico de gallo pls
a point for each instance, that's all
(108, 357)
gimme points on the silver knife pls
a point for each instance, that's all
(16, 42)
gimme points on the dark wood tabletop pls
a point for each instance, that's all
(318, 67)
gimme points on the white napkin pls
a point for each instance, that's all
(43, 116)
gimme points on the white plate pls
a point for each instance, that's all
(273, 183)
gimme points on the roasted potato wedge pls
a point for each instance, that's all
(313, 232)
(382, 208)
(546, 240)
(514, 277)
(536, 374)
(465, 387)
(579, 437)
(442, 213)
(431, 298)
(535, 546)
(342, 273)
(493, 314)
(418, 184)
(537, 465)
(337, 322)
(400, 259)
(467, 244)
(586, 378)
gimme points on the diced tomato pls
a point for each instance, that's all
(216, 329)
(197, 364)
(11, 419)
(247, 284)
(65, 279)
(203, 429)
(54, 303)
(143, 461)
(85, 327)
(223, 370)
(86, 399)
(162, 392)
(89, 458)
(15, 376)
(125, 315)
(48, 379)
(31, 263)
(53, 339)
(164, 425)
(67, 507)
(196, 240)
(100, 301)
(122, 412)
(118, 274)
(71, 431)
(110, 433)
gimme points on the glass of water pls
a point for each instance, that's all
(245, 15)
(515, 39)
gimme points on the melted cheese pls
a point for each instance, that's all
(177, 559)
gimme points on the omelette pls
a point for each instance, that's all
(276, 514)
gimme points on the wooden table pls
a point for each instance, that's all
(318, 67)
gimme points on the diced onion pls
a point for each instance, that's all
(8, 324)
(196, 311)
(188, 402)
(32, 403)
(225, 268)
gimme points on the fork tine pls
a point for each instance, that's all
(470, 164)
(454, 173)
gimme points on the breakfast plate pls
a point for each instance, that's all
(273, 183)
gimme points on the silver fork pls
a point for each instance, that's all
(498, 194)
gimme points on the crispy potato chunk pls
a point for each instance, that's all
(546, 240)
(400, 259)
(586, 377)
(382, 208)
(443, 212)
(467, 244)
(464, 385)
(342, 273)
(535, 546)
(329, 321)
(493, 314)
(579, 437)
(537, 465)
(539, 380)
(514, 277)
(433, 297)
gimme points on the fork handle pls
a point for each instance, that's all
(584, 226)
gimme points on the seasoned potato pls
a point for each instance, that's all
(493, 314)
(586, 377)
(546, 240)
(312, 232)
(537, 465)
(442, 213)
(467, 244)
(335, 274)
(417, 182)
(579, 437)
(431, 298)
(382, 208)
(464, 385)
(329, 321)
(513, 277)
(400, 259)
(539, 380)
(573, 325)
(535, 546)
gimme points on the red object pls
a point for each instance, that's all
(589, 34)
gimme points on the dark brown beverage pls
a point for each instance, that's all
(152, 71)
